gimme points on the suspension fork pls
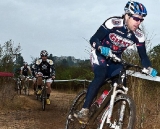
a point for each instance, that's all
(110, 108)
(123, 106)
(112, 100)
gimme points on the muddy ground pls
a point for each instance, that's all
(31, 115)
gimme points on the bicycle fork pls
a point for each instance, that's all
(108, 112)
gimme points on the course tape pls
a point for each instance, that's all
(143, 76)
(6, 74)
(79, 80)
(129, 72)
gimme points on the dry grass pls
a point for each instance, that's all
(147, 99)
(27, 110)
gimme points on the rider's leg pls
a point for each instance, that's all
(104, 68)
(100, 73)
(39, 84)
(22, 81)
(49, 82)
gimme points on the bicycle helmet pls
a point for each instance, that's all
(25, 63)
(133, 7)
(44, 53)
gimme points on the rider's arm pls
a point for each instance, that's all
(100, 34)
(140, 43)
(52, 73)
(143, 55)
(36, 70)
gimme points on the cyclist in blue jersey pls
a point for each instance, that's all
(113, 37)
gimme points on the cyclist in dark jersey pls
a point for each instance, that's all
(44, 67)
(113, 37)
(25, 71)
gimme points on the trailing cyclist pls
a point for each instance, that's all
(25, 71)
(44, 67)
(113, 37)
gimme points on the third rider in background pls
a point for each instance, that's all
(25, 72)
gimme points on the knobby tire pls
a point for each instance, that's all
(72, 122)
(43, 100)
(129, 115)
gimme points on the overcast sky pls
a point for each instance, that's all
(60, 26)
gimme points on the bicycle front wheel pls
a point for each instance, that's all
(123, 115)
(72, 122)
(43, 100)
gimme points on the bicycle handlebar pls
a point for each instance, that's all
(44, 76)
(127, 65)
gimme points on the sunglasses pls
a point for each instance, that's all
(137, 18)
(43, 56)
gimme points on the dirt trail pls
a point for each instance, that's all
(54, 117)
(32, 116)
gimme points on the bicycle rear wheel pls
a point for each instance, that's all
(72, 122)
(121, 119)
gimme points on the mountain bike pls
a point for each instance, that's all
(43, 95)
(117, 111)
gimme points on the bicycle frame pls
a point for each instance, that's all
(112, 110)
(109, 99)
(44, 85)
(108, 112)
(44, 82)
(123, 90)
(44, 92)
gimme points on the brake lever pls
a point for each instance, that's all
(115, 58)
